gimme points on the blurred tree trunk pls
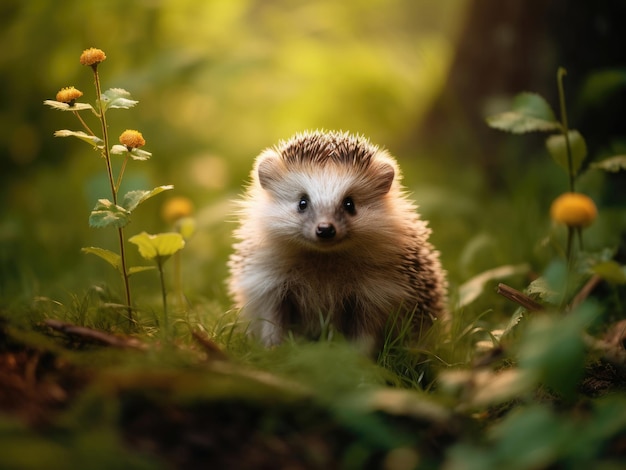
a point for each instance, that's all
(517, 45)
(501, 50)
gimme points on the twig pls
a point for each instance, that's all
(519, 298)
(585, 291)
(209, 345)
(95, 335)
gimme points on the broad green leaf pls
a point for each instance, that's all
(139, 269)
(90, 139)
(117, 98)
(133, 198)
(159, 245)
(112, 258)
(106, 213)
(558, 149)
(470, 290)
(66, 107)
(613, 164)
(610, 271)
(529, 113)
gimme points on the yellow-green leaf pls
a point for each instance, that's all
(558, 149)
(610, 271)
(159, 245)
(112, 258)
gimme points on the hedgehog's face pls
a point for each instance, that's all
(323, 207)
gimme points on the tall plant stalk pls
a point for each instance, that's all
(114, 190)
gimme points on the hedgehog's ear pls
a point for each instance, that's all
(269, 169)
(384, 175)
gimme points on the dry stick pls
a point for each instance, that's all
(519, 298)
(95, 335)
(587, 289)
(208, 345)
(612, 353)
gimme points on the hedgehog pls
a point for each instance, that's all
(327, 236)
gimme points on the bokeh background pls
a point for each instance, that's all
(219, 80)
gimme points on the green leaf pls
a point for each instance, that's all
(133, 198)
(553, 349)
(612, 164)
(106, 213)
(558, 149)
(66, 107)
(139, 269)
(529, 113)
(610, 271)
(117, 98)
(159, 245)
(90, 139)
(112, 258)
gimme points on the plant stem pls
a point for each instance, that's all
(129, 308)
(164, 295)
(178, 281)
(568, 250)
(82, 121)
(105, 135)
(119, 177)
(570, 166)
(107, 158)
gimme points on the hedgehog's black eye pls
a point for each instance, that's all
(349, 206)
(303, 203)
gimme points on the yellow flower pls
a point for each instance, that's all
(573, 210)
(132, 139)
(176, 208)
(92, 56)
(69, 95)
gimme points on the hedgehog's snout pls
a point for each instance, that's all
(325, 230)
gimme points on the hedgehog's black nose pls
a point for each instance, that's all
(325, 230)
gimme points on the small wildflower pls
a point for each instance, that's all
(176, 208)
(132, 139)
(69, 95)
(92, 56)
(573, 210)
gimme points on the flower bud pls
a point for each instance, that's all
(132, 139)
(574, 210)
(92, 56)
(68, 95)
(176, 208)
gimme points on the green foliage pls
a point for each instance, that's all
(553, 351)
(558, 148)
(498, 387)
(108, 213)
(529, 113)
